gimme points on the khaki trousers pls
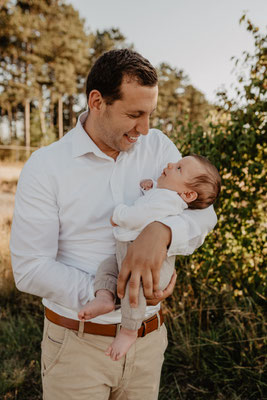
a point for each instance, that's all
(74, 366)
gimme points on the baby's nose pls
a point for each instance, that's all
(169, 165)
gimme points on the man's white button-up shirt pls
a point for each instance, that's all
(61, 228)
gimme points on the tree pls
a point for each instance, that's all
(233, 256)
(106, 40)
(44, 59)
(19, 39)
(178, 101)
(65, 51)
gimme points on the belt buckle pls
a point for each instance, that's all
(144, 325)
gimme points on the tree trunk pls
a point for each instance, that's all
(9, 115)
(42, 116)
(27, 127)
(71, 113)
(15, 136)
(60, 118)
(51, 113)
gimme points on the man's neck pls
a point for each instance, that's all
(89, 128)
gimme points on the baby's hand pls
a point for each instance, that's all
(146, 184)
(112, 222)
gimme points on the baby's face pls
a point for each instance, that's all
(175, 175)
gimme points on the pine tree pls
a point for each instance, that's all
(178, 101)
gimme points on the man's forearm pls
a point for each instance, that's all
(55, 281)
(164, 231)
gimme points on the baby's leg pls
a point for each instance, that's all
(102, 304)
(121, 344)
(166, 272)
(131, 317)
(131, 321)
(105, 290)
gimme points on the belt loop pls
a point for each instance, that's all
(144, 329)
(158, 317)
(118, 328)
(81, 329)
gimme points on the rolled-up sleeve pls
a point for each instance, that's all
(189, 230)
(34, 243)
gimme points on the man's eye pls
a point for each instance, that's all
(133, 116)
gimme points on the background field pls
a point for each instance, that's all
(217, 338)
(216, 317)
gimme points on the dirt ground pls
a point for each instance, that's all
(9, 174)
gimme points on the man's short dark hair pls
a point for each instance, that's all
(108, 71)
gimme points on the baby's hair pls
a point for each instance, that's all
(207, 184)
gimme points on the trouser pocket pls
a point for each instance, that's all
(53, 343)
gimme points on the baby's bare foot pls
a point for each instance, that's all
(121, 344)
(102, 304)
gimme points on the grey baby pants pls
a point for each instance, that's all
(106, 278)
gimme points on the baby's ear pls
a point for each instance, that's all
(189, 196)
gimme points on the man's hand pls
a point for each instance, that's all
(143, 261)
(161, 295)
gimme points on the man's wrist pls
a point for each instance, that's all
(165, 232)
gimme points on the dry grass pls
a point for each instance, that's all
(10, 171)
(6, 277)
(9, 174)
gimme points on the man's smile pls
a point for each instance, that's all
(131, 138)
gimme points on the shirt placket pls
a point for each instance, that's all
(116, 181)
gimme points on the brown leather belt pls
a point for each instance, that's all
(149, 325)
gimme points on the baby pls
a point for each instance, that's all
(193, 182)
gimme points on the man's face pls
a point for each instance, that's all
(175, 175)
(120, 124)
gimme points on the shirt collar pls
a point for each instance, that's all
(83, 144)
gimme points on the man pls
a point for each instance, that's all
(61, 233)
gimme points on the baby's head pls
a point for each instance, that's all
(194, 178)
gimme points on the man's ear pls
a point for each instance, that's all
(189, 196)
(95, 101)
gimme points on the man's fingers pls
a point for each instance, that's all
(121, 283)
(158, 294)
(134, 285)
(147, 282)
(156, 277)
(169, 289)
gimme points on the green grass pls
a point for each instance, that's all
(217, 348)
(20, 336)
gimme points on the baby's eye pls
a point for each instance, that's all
(178, 167)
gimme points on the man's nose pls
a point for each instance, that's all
(143, 125)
